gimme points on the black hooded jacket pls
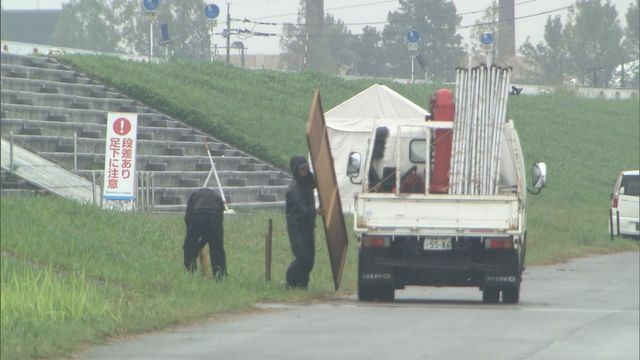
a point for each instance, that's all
(300, 203)
(206, 201)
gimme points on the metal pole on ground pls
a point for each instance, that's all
(153, 191)
(148, 190)
(267, 251)
(150, 39)
(75, 152)
(11, 151)
(412, 57)
(93, 186)
(228, 31)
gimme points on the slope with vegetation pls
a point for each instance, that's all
(73, 275)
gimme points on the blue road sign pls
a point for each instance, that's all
(150, 5)
(486, 38)
(413, 36)
(211, 11)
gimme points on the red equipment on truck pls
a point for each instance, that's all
(442, 109)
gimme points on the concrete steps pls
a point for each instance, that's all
(44, 103)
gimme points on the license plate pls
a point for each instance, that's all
(437, 244)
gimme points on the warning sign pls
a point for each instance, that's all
(120, 157)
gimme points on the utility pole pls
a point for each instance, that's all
(228, 31)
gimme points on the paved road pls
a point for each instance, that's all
(585, 309)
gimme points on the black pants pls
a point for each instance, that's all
(302, 241)
(202, 229)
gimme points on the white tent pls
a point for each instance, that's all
(351, 123)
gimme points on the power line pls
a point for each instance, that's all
(471, 25)
(336, 8)
(382, 22)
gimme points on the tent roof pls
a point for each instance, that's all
(376, 105)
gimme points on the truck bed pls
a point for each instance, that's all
(452, 215)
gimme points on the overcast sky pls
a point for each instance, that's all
(372, 12)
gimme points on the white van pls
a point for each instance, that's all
(624, 215)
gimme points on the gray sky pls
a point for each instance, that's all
(361, 11)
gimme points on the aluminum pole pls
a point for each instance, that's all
(150, 39)
(412, 68)
(75, 152)
(11, 151)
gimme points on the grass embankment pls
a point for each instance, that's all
(125, 270)
(73, 274)
(263, 112)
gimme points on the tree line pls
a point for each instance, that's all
(586, 49)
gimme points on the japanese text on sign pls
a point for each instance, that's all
(120, 150)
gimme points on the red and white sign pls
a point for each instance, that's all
(120, 156)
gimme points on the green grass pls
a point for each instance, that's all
(262, 111)
(74, 275)
(585, 143)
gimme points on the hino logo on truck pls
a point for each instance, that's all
(500, 278)
(376, 276)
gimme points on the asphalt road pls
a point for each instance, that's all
(585, 309)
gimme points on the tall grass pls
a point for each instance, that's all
(73, 274)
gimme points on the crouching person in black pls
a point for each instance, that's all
(204, 217)
(301, 221)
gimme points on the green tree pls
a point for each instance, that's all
(122, 25)
(632, 32)
(83, 24)
(547, 59)
(436, 21)
(368, 56)
(325, 47)
(341, 42)
(593, 37)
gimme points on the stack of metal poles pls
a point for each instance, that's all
(481, 96)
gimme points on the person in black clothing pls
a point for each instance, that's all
(301, 221)
(204, 220)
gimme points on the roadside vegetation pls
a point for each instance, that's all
(74, 275)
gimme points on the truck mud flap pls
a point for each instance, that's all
(371, 272)
(508, 272)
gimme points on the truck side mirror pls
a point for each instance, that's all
(538, 176)
(353, 165)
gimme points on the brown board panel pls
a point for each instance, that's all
(322, 161)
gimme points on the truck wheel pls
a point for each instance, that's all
(511, 295)
(490, 295)
(366, 292)
(386, 292)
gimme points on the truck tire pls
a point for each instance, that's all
(366, 292)
(490, 295)
(386, 292)
(511, 295)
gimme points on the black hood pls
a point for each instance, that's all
(297, 162)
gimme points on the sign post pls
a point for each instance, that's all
(211, 12)
(151, 7)
(487, 40)
(120, 157)
(412, 45)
